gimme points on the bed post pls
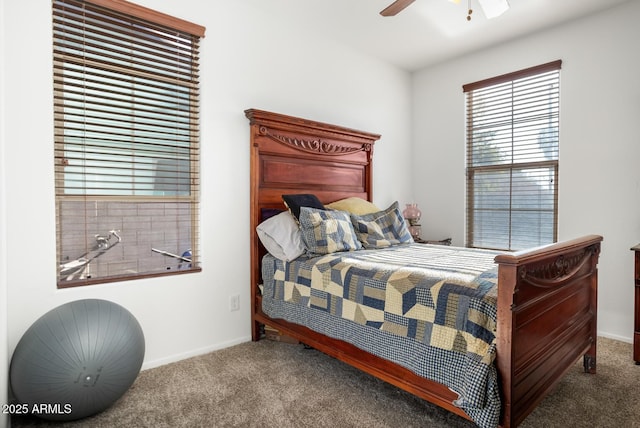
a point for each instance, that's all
(507, 279)
(369, 175)
(590, 359)
(254, 213)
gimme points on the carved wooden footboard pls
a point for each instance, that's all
(547, 297)
(547, 320)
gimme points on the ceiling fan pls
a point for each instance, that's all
(491, 8)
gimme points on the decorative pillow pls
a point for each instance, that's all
(382, 229)
(295, 202)
(354, 205)
(281, 236)
(325, 232)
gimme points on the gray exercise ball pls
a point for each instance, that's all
(77, 359)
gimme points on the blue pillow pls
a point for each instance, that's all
(325, 232)
(382, 229)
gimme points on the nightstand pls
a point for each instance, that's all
(446, 241)
(636, 311)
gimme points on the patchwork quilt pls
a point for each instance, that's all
(429, 308)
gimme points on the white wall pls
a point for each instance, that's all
(599, 144)
(4, 351)
(248, 60)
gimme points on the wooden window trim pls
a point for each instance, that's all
(142, 12)
(542, 68)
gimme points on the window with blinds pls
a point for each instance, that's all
(512, 159)
(126, 142)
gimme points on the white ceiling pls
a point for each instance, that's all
(428, 31)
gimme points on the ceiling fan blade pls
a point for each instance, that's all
(396, 7)
(493, 8)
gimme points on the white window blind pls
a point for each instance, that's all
(512, 159)
(126, 142)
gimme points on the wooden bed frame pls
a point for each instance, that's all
(547, 297)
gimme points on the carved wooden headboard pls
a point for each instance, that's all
(293, 155)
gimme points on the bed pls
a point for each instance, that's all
(544, 299)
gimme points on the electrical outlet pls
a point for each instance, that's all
(234, 302)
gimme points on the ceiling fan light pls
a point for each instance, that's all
(494, 8)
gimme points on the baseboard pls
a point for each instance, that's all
(615, 337)
(194, 353)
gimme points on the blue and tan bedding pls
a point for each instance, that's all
(431, 309)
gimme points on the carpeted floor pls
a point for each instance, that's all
(272, 384)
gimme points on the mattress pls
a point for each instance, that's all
(428, 308)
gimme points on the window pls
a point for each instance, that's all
(512, 159)
(126, 142)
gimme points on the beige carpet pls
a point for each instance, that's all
(272, 384)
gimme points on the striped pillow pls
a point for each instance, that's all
(382, 229)
(325, 232)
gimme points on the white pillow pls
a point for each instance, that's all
(281, 236)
